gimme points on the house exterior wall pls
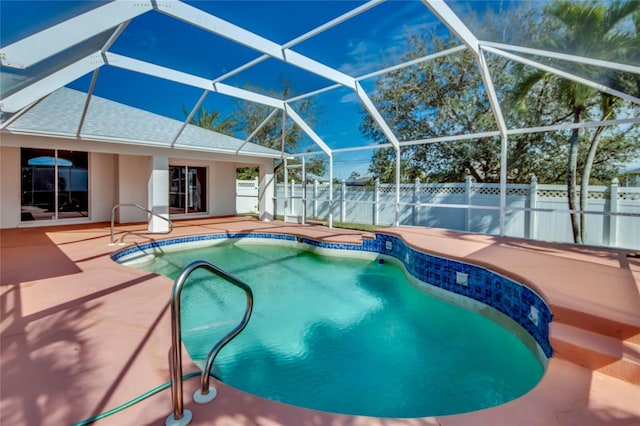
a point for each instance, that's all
(9, 187)
(222, 201)
(133, 178)
(266, 193)
(102, 180)
(122, 173)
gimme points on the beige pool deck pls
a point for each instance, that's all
(82, 334)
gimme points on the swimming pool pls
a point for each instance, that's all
(365, 341)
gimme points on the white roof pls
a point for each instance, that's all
(60, 113)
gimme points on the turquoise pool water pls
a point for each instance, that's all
(346, 335)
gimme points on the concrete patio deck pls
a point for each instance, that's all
(82, 334)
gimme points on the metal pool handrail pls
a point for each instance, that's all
(113, 215)
(176, 334)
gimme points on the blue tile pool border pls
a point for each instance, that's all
(513, 299)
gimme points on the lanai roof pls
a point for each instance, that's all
(328, 49)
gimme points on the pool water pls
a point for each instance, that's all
(345, 335)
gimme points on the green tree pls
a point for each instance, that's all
(445, 97)
(436, 98)
(212, 120)
(274, 133)
(585, 29)
(354, 175)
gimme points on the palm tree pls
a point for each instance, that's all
(585, 28)
(211, 120)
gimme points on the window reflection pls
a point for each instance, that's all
(54, 184)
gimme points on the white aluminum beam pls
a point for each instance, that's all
(413, 62)
(570, 126)
(492, 134)
(257, 129)
(248, 95)
(452, 138)
(87, 101)
(112, 39)
(396, 221)
(116, 34)
(283, 139)
(165, 73)
(189, 118)
(330, 191)
(564, 74)
(304, 37)
(307, 129)
(340, 19)
(232, 32)
(364, 148)
(241, 68)
(20, 113)
(57, 38)
(491, 94)
(189, 79)
(318, 68)
(564, 56)
(48, 84)
(375, 114)
(215, 25)
(504, 147)
(451, 20)
(315, 92)
(261, 125)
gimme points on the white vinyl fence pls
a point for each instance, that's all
(533, 211)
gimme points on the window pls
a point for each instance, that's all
(187, 189)
(54, 184)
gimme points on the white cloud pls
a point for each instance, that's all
(388, 41)
(349, 98)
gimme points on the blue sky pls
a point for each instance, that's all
(375, 39)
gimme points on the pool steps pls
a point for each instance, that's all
(599, 344)
(615, 357)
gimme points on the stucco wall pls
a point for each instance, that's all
(222, 194)
(9, 187)
(102, 183)
(133, 179)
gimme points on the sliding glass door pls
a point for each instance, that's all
(54, 184)
(187, 189)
